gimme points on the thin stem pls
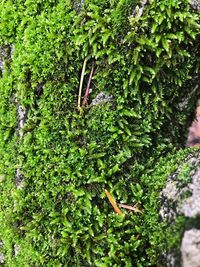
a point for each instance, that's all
(135, 209)
(81, 83)
(85, 99)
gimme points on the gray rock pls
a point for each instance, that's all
(1, 258)
(3, 55)
(195, 4)
(1, 254)
(101, 98)
(21, 111)
(19, 178)
(191, 205)
(16, 250)
(78, 5)
(22, 114)
(190, 248)
(176, 188)
(181, 196)
(139, 9)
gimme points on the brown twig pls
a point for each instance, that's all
(113, 203)
(135, 209)
(87, 90)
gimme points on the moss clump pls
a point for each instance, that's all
(59, 215)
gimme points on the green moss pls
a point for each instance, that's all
(165, 236)
(60, 216)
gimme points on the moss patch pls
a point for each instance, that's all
(67, 158)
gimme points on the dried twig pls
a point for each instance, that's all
(135, 209)
(81, 84)
(113, 203)
(85, 98)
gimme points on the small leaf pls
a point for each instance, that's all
(165, 44)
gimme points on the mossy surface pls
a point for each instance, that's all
(69, 155)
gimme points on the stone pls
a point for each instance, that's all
(1, 254)
(21, 119)
(101, 98)
(190, 248)
(195, 4)
(181, 197)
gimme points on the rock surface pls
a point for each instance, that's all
(1, 254)
(195, 4)
(190, 248)
(181, 197)
(101, 98)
